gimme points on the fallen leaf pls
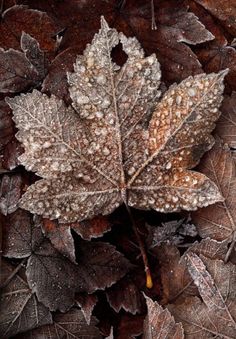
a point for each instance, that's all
(22, 70)
(69, 325)
(159, 323)
(92, 228)
(19, 309)
(215, 315)
(61, 237)
(171, 232)
(218, 221)
(87, 303)
(97, 159)
(18, 19)
(125, 294)
(176, 281)
(176, 29)
(226, 126)
(10, 192)
(99, 265)
(130, 326)
(225, 11)
(56, 80)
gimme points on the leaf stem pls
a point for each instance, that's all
(149, 282)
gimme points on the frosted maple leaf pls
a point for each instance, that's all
(118, 142)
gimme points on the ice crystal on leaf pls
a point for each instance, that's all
(118, 142)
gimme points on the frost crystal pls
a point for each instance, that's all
(117, 143)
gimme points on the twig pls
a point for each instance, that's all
(154, 26)
(149, 283)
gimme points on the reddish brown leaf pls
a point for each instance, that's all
(218, 221)
(87, 303)
(225, 11)
(159, 323)
(130, 326)
(174, 27)
(70, 325)
(226, 126)
(176, 281)
(92, 228)
(216, 314)
(18, 19)
(61, 237)
(125, 294)
(56, 80)
(19, 309)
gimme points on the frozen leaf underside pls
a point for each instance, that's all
(160, 324)
(117, 143)
(214, 316)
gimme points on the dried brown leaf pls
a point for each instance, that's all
(99, 153)
(70, 325)
(176, 281)
(215, 315)
(160, 324)
(87, 303)
(22, 70)
(226, 126)
(53, 277)
(125, 294)
(225, 11)
(61, 237)
(19, 309)
(18, 19)
(10, 192)
(218, 221)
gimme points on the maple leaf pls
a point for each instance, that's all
(99, 152)
(216, 315)
(159, 323)
(19, 309)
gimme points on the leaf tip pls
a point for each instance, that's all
(104, 24)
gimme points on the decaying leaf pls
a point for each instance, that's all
(53, 277)
(218, 221)
(19, 309)
(70, 325)
(103, 150)
(18, 19)
(10, 192)
(125, 294)
(22, 70)
(176, 281)
(216, 314)
(226, 126)
(159, 323)
(171, 232)
(87, 303)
